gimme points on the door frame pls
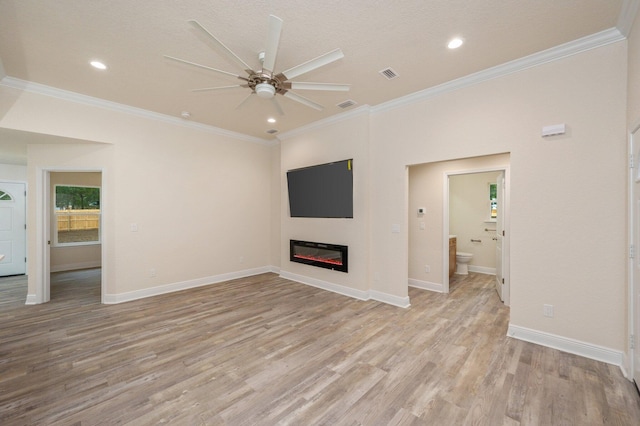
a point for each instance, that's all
(43, 231)
(634, 164)
(26, 214)
(506, 225)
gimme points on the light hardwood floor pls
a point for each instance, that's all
(264, 350)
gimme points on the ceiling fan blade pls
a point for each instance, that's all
(204, 67)
(276, 104)
(298, 85)
(311, 65)
(273, 40)
(245, 100)
(228, 52)
(303, 100)
(207, 89)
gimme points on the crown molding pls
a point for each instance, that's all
(627, 16)
(362, 110)
(78, 98)
(593, 41)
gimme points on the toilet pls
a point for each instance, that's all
(462, 262)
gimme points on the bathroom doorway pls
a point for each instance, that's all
(475, 216)
(428, 221)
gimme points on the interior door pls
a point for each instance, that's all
(635, 194)
(500, 236)
(13, 234)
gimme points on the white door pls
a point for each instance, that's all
(13, 234)
(635, 146)
(500, 236)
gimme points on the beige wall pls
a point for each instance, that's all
(201, 200)
(426, 189)
(569, 256)
(73, 257)
(340, 140)
(13, 172)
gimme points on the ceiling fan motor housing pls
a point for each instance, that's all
(265, 90)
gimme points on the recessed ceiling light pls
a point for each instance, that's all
(99, 65)
(455, 43)
(271, 120)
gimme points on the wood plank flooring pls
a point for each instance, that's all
(266, 351)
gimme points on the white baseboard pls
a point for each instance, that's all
(401, 302)
(576, 347)
(482, 270)
(32, 299)
(426, 285)
(75, 266)
(325, 285)
(183, 285)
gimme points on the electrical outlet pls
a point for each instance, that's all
(241, 259)
(152, 272)
(547, 310)
(427, 268)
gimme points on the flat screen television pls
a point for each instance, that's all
(322, 191)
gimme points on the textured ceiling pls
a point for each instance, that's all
(51, 42)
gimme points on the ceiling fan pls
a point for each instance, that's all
(266, 83)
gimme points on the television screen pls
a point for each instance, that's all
(325, 190)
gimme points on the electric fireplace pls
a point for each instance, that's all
(330, 256)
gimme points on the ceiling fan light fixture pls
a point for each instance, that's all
(265, 90)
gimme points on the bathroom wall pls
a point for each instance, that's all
(469, 211)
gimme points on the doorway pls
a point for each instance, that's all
(428, 219)
(51, 255)
(475, 210)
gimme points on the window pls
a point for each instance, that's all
(77, 215)
(493, 200)
(5, 196)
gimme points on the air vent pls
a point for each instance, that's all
(346, 104)
(272, 131)
(389, 74)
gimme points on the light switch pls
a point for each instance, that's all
(134, 227)
(395, 228)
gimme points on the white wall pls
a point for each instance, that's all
(570, 256)
(192, 193)
(73, 257)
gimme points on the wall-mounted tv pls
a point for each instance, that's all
(325, 190)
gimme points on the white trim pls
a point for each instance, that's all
(182, 285)
(325, 285)
(565, 344)
(32, 299)
(401, 302)
(593, 41)
(390, 299)
(627, 15)
(364, 109)
(482, 269)
(41, 89)
(75, 266)
(426, 285)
